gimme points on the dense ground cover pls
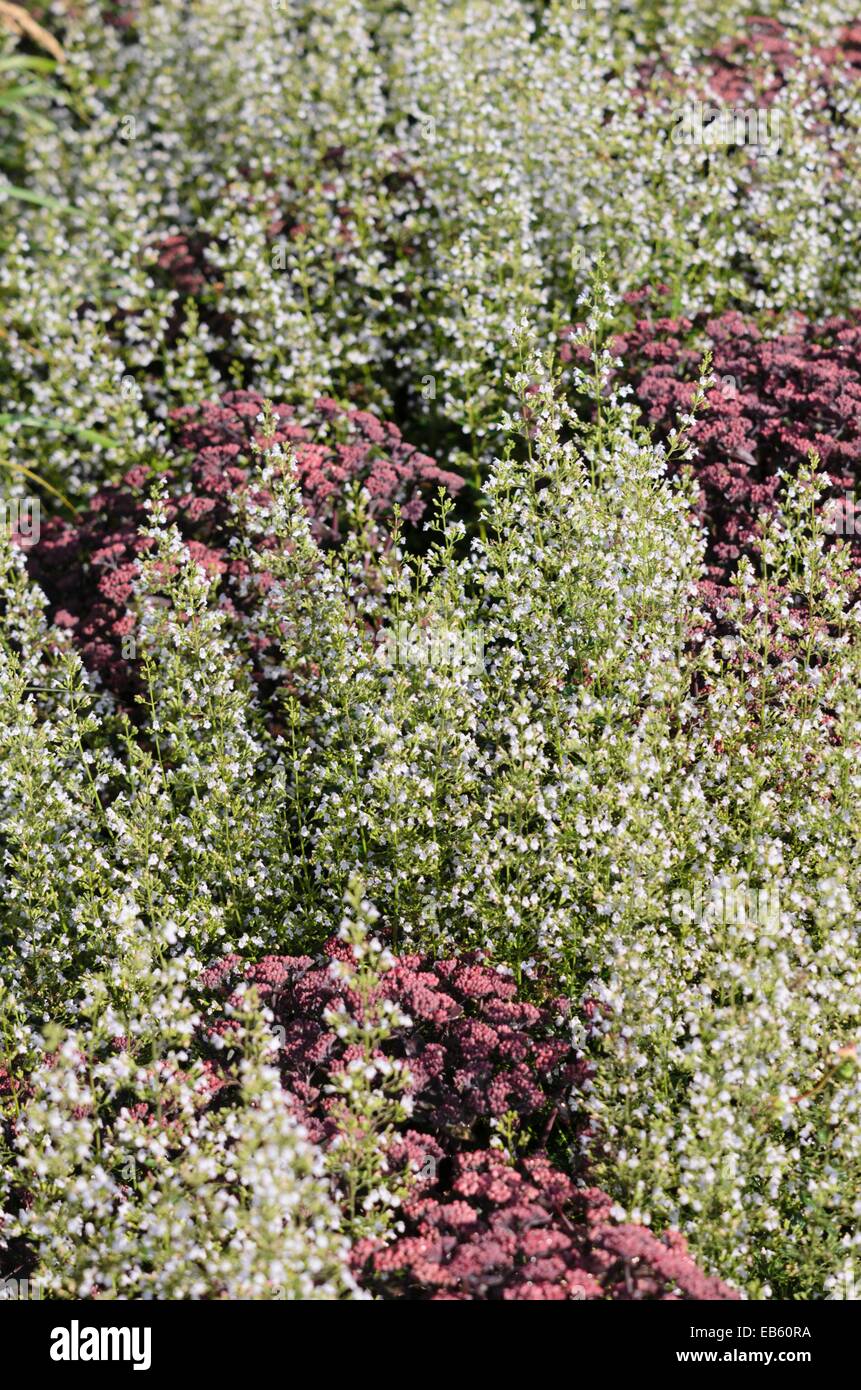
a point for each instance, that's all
(430, 696)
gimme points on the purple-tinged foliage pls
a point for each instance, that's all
(88, 567)
(478, 1224)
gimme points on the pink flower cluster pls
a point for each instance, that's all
(477, 1225)
(88, 567)
(775, 399)
(527, 1232)
(475, 1052)
(762, 55)
(334, 447)
(181, 257)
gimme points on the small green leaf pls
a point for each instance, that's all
(40, 422)
(27, 195)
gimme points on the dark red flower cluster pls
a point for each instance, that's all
(760, 58)
(181, 258)
(88, 567)
(333, 447)
(476, 1226)
(750, 67)
(774, 400)
(528, 1233)
(475, 1052)
(122, 14)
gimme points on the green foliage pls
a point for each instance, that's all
(531, 738)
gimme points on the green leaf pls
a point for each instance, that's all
(40, 422)
(26, 113)
(28, 195)
(18, 61)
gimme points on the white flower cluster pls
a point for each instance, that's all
(403, 205)
(378, 199)
(550, 803)
(559, 801)
(139, 1191)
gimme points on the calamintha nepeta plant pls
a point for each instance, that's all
(548, 804)
(281, 272)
